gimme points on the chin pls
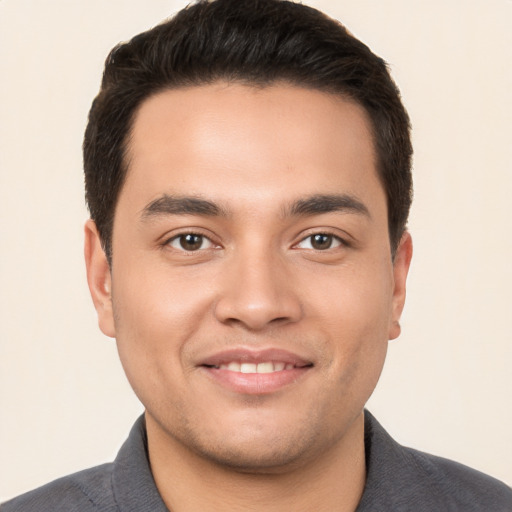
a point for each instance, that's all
(273, 456)
(259, 447)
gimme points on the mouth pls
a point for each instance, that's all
(262, 372)
(264, 367)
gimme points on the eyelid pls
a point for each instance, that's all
(203, 240)
(343, 240)
(167, 239)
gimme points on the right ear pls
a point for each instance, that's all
(99, 278)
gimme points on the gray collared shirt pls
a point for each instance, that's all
(398, 479)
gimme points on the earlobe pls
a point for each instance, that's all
(99, 278)
(401, 266)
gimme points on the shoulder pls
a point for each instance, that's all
(456, 485)
(86, 491)
(401, 479)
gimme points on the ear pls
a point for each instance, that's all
(401, 266)
(99, 278)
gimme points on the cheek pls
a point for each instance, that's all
(153, 299)
(154, 317)
(353, 309)
(355, 300)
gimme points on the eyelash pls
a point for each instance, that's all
(333, 239)
(181, 236)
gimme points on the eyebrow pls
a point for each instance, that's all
(327, 203)
(308, 206)
(182, 205)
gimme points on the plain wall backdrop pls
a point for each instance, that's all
(64, 401)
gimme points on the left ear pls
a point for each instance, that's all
(401, 265)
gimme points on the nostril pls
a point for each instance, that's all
(257, 305)
(280, 319)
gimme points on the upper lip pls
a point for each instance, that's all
(246, 355)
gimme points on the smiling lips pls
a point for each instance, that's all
(248, 372)
(267, 367)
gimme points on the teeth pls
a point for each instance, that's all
(248, 368)
(266, 367)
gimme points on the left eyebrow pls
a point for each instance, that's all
(326, 203)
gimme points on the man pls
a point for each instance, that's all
(248, 176)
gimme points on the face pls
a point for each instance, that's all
(252, 291)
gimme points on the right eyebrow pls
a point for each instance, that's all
(182, 205)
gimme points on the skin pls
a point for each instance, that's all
(254, 282)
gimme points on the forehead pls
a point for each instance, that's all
(241, 143)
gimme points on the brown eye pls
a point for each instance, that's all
(320, 242)
(190, 242)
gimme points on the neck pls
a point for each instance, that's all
(333, 481)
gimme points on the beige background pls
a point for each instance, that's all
(64, 401)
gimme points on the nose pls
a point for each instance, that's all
(257, 292)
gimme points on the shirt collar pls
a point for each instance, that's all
(135, 489)
(387, 468)
(132, 482)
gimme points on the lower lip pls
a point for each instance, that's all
(256, 383)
